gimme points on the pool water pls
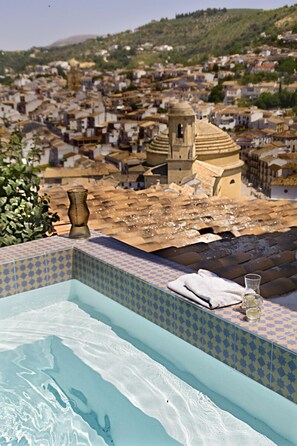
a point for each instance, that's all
(77, 368)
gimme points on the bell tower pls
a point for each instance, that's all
(182, 152)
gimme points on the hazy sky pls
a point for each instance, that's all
(27, 23)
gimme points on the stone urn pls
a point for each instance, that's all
(78, 213)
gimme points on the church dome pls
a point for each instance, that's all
(160, 143)
(157, 152)
(209, 141)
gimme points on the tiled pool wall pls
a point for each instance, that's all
(38, 264)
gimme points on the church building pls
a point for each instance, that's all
(191, 148)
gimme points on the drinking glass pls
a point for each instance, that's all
(252, 282)
(252, 300)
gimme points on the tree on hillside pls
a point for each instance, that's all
(283, 99)
(216, 94)
(287, 66)
(24, 214)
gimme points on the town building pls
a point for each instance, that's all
(284, 188)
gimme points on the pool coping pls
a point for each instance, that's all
(266, 351)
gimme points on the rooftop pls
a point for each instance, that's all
(229, 237)
(291, 180)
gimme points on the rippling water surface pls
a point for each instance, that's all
(53, 398)
(34, 409)
(68, 379)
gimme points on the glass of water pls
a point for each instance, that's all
(253, 307)
(252, 301)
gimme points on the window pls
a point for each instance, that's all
(286, 191)
(180, 131)
(232, 182)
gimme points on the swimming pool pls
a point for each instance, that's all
(89, 371)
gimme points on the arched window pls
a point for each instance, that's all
(180, 131)
(232, 182)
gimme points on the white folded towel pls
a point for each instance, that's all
(207, 289)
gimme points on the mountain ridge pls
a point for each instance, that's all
(72, 40)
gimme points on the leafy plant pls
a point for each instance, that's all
(24, 214)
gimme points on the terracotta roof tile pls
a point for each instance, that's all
(187, 258)
(236, 259)
(154, 246)
(229, 237)
(231, 273)
(261, 263)
(268, 276)
(286, 270)
(212, 265)
(277, 287)
(294, 279)
(283, 257)
(255, 230)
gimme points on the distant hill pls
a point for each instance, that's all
(192, 36)
(73, 40)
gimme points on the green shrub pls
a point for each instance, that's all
(24, 214)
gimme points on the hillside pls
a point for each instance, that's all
(193, 36)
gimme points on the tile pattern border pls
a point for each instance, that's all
(30, 273)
